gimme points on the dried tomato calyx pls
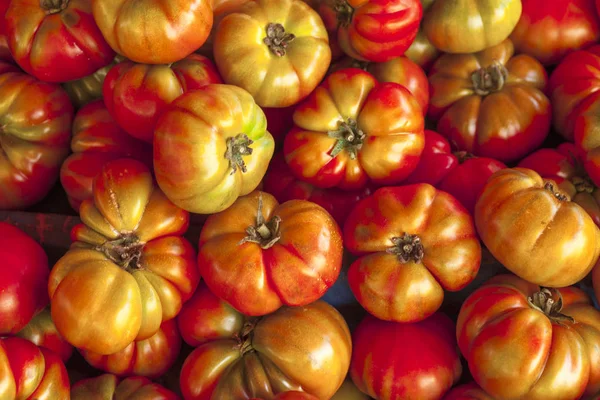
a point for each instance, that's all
(125, 251)
(583, 185)
(349, 137)
(237, 148)
(463, 156)
(544, 301)
(344, 12)
(264, 233)
(549, 186)
(244, 337)
(407, 248)
(277, 39)
(53, 6)
(489, 79)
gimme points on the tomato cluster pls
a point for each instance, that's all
(237, 167)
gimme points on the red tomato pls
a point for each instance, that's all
(56, 40)
(436, 162)
(4, 50)
(23, 279)
(292, 395)
(107, 386)
(469, 391)
(136, 94)
(42, 332)
(279, 122)
(416, 361)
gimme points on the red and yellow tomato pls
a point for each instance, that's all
(108, 387)
(42, 332)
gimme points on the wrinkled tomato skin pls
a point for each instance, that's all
(437, 161)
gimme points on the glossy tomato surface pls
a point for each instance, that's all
(468, 391)
(437, 161)
(42, 332)
(89, 88)
(109, 387)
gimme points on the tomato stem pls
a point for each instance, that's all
(53, 6)
(408, 248)
(544, 302)
(244, 337)
(123, 251)
(344, 12)
(264, 233)
(237, 148)
(463, 156)
(277, 39)
(489, 79)
(583, 185)
(549, 186)
(349, 137)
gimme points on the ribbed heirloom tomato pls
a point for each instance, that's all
(110, 387)
(42, 332)
(436, 162)
(352, 130)
(89, 88)
(128, 269)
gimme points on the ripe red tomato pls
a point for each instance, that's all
(416, 361)
(23, 279)
(468, 391)
(136, 94)
(42, 332)
(436, 162)
(56, 40)
(279, 122)
(109, 386)
(414, 242)
(4, 50)
(259, 255)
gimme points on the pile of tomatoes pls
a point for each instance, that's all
(390, 145)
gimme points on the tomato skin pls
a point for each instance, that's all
(292, 395)
(23, 279)
(136, 94)
(30, 373)
(567, 26)
(517, 209)
(35, 129)
(468, 391)
(437, 161)
(108, 387)
(381, 280)
(97, 139)
(403, 356)
(42, 332)
(56, 44)
(279, 122)
(422, 52)
(4, 50)
(349, 391)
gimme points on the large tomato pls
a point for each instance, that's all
(468, 391)
(109, 387)
(35, 129)
(534, 230)
(259, 255)
(129, 269)
(470, 91)
(304, 348)
(42, 332)
(373, 30)
(422, 52)
(526, 342)
(97, 139)
(417, 361)
(210, 147)
(56, 40)
(28, 372)
(352, 130)
(550, 33)
(150, 357)
(436, 162)
(23, 279)
(414, 242)
(469, 26)
(349, 391)
(154, 31)
(278, 50)
(136, 94)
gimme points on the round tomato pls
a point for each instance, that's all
(417, 361)
(35, 129)
(278, 50)
(352, 130)
(210, 147)
(150, 357)
(469, 91)
(469, 26)
(136, 94)
(469, 391)
(304, 348)
(349, 391)
(23, 278)
(31, 373)
(129, 269)
(422, 52)
(522, 341)
(550, 33)
(42, 332)
(275, 255)
(109, 387)
(534, 230)
(436, 162)
(97, 139)
(414, 242)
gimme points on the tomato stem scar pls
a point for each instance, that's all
(53, 6)
(264, 233)
(549, 186)
(277, 39)
(544, 302)
(237, 148)
(489, 79)
(349, 137)
(407, 248)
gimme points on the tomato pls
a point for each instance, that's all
(279, 121)
(129, 269)
(373, 30)
(532, 228)
(550, 33)
(468, 391)
(422, 52)
(551, 335)
(278, 50)
(436, 161)
(29, 372)
(23, 278)
(97, 139)
(56, 40)
(469, 91)
(352, 130)
(467, 180)
(42, 332)
(413, 243)
(469, 26)
(293, 395)
(259, 255)
(210, 147)
(35, 129)
(304, 348)
(4, 50)
(150, 357)
(349, 391)
(136, 94)
(109, 387)
(221, 8)
(417, 361)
